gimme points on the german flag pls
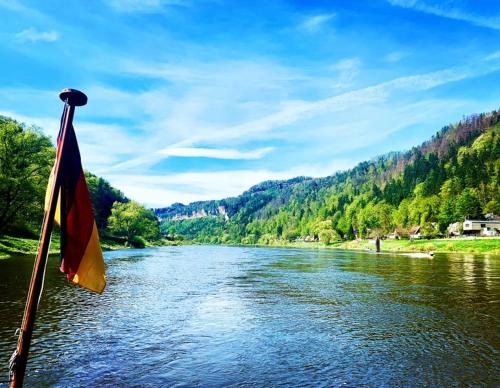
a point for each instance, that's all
(81, 255)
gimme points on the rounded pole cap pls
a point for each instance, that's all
(73, 97)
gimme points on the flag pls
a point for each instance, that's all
(81, 255)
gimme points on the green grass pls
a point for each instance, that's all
(479, 245)
(13, 246)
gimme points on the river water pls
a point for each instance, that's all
(219, 316)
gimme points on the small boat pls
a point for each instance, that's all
(420, 255)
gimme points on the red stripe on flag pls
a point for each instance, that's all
(79, 224)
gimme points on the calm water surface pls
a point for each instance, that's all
(219, 316)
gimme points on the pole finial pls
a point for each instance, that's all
(73, 97)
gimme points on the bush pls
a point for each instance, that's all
(427, 247)
(137, 242)
(450, 247)
(327, 236)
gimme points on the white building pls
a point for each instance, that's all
(483, 227)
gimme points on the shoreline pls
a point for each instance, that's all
(20, 246)
(11, 246)
(479, 246)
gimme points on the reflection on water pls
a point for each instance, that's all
(232, 315)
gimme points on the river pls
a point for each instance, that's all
(218, 316)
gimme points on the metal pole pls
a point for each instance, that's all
(19, 359)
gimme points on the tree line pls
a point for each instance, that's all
(26, 158)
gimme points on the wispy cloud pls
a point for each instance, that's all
(293, 111)
(33, 35)
(395, 56)
(492, 56)
(443, 10)
(315, 23)
(194, 125)
(190, 129)
(347, 69)
(146, 6)
(17, 6)
(213, 72)
(193, 152)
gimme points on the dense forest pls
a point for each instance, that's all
(26, 158)
(452, 176)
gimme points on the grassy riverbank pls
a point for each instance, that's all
(12, 246)
(477, 245)
(490, 245)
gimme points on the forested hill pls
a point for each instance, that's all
(453, 175)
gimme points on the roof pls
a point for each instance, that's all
(484, 221)
(415, 229)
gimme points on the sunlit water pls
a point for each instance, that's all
(218, 316)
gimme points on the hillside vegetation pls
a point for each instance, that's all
(453, 175)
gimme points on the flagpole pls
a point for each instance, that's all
(19, 360)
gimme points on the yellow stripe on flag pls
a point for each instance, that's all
(90, 273)
(57, 216)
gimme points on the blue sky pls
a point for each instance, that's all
(192, 100)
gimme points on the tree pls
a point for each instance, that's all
(367, 219)
(451, 188)
(384, 213)
(447, 213)
(103, 197)
(26, 157)
(468, 204)
(492, 207)
(325, 232)
(401, 215)
(133, 221)
(424, 209)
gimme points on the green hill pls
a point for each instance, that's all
(453, 175)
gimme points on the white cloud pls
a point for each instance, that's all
(395, 56)
(191, 127)
(315, 23)
(258, 71)
(445, 11)
(377, 123)
(17, 6)
(215, 153)
(294, 111)
(347, 64)
(32, 35)
(193, 152)
(144, 5)
(492, 56)
(348, 70)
